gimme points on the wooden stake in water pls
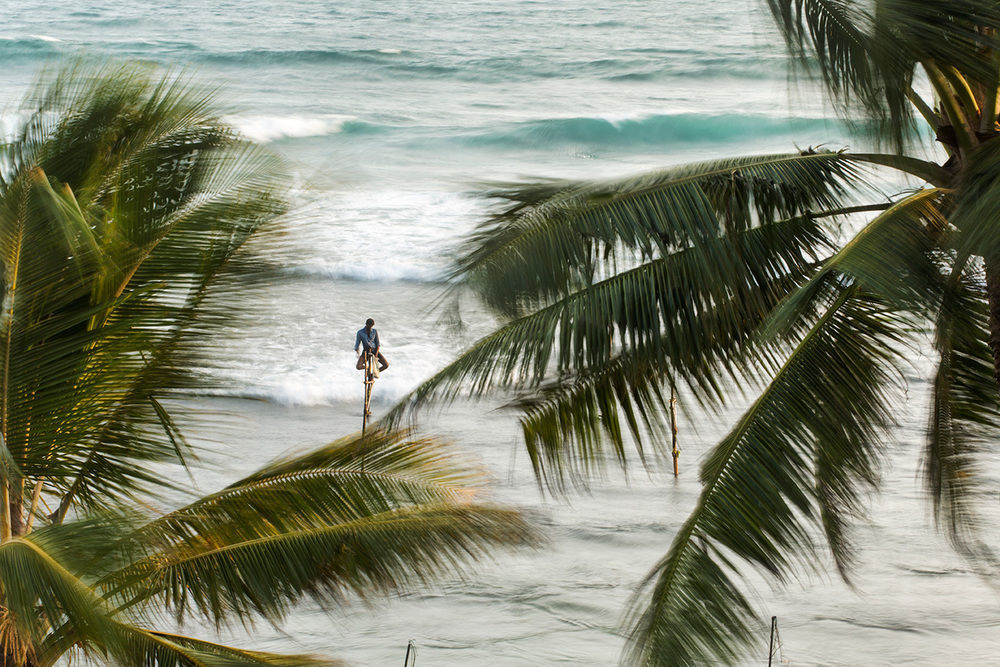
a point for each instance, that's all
(770, 653)
(673, 427)
(411, 651)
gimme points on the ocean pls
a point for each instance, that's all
(393, 116)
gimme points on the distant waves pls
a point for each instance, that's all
(655, 131)
(390, 62)
(658, 130)
(39, 48)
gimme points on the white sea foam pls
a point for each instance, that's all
(373, 269)
(326, 375)
(382, 235)
(272, 128)
(10, 124)
(390, 241)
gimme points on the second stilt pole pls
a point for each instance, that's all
(675, 451)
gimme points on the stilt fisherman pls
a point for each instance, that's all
(368, 339)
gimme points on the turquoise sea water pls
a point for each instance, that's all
(392, 113)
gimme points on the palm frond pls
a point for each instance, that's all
(965, 409)
(958, 34)
(126, 210)
(977, 197)
(861, 64)
(552, 240)
(711, 347)
(691, 309)
(362, 516)
(133, 645)
(866, 53)
(39, 593)
(569, 422)
(893, 256)
(348, 479)
(810, 443)
(45, 590)
(50, 610)
(372, 555)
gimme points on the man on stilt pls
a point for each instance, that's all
(368, 338)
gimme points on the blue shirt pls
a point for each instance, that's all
(370, 341)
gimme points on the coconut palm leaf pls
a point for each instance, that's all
(358, 517)
(584, 326)
(561, 258)
(690, 309)
(131, 225)
(866, 53)
(857, 61)
(810, 446)
(371, 555)
(9, 469)
(348, 479)
(554, 239)
(566, 420)
(953, 33)
(45, 280)
(687, 314)
(134, 645)
(49, 609)
(46, 582)
(965, 410)
(154, 199)
(812, 437)
(976, 198)
(893, 255)
(693, 331)
(39, 592)
(585, 321)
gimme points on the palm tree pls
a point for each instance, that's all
(731, 276)
(128, 216)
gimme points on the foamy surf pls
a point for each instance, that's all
(266, 129)
(381, 235)
(327, 375)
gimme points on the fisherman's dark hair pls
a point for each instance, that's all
(369, 322)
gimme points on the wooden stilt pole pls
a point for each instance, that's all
(676, 452)
(369, 381)
(770, 652)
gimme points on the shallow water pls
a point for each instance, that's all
(392, 114)
(915, 603)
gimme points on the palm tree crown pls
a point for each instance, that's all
(729, 275)
(127, 214)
